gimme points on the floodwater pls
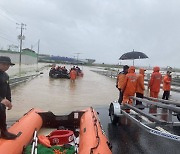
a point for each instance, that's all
(61, 95)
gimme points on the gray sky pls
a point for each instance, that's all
(99, 29)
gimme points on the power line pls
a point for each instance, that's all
(4, 34)
(7, 16)
(10, 18)
(7, 35)
(7, 39)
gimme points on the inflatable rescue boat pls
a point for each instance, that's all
(79, 132)
(57, 75)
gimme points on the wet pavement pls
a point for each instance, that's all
(128, 138)
(62, 96)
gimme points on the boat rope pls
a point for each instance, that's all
(97, 135)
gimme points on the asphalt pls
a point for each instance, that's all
(128, 138)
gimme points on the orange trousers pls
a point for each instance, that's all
(154, 94)
(153, 109)
(127, 100)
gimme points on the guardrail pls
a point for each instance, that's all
(17, 80)
(113, 74)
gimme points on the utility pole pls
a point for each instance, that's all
(21, 37)
(77, 56)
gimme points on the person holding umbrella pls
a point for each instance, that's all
(120, 82)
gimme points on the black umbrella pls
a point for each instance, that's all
(133, 55)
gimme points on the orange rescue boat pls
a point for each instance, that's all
(80, 129)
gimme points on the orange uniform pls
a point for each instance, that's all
(140, 86)
(167, 83)
(155, 82)
(73, 74)
(129, 87)
(140, 82)
(120, 80)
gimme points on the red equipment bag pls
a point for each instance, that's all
(60, 137)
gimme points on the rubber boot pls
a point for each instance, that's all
(7, 135)
(4, 133)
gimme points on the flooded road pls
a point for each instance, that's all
(61, 95)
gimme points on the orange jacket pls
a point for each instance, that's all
(130, 82)
(120, 80)
(73, 74)
(155, 80)
(140, 82)
(167, 83)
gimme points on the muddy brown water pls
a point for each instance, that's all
(61, 96)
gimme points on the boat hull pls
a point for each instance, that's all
(25, 128)
(84, 125)
(92, 137)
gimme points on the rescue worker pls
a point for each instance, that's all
(166, 85)
(5, 97)
(140, 85)
(78, 69)
(120, 82)
(52, 71)
(129, 87)
(155, 82)
(73, 74)
(64, 70)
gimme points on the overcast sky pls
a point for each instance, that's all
(98, 29)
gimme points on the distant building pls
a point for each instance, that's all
(28, 56)
(87, 61)
(44, 58)
(67, 60)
